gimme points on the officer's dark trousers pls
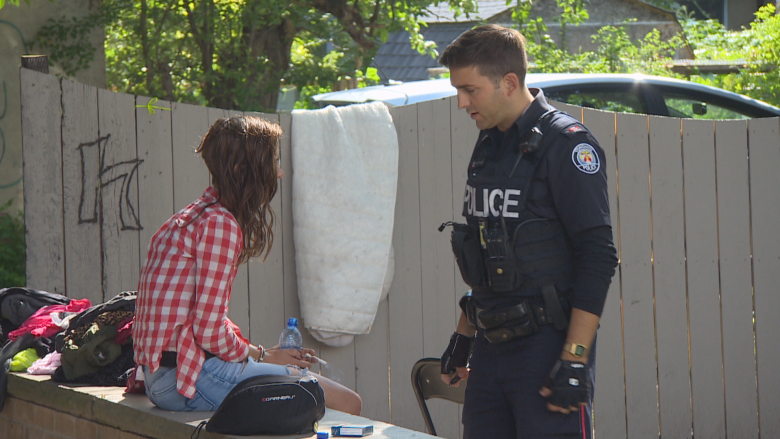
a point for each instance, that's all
(502, 396)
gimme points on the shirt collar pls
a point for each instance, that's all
(538, 107)
(210, 195)
(194, 210)
(527, 119)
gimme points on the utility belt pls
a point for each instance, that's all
(168, 358)
(503, 324)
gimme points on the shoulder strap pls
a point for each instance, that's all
(526, 165)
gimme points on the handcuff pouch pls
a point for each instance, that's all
(504, 324)
(465, 242)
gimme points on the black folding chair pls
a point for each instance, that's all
(427, 384)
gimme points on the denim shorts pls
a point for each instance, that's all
(216, 380)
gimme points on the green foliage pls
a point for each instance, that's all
(68, 42)
(12, 255)
(16, 2)
(13, 2)
(616, 53)
(756, 48)
(237, 54)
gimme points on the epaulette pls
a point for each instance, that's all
(567, 125)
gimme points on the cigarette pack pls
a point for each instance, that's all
(352, 430)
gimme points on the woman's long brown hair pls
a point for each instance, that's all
(242, 154)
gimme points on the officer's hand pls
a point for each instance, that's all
(455, 358)
(461, 374)
(567, 388)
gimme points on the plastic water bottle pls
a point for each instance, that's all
(291, 337)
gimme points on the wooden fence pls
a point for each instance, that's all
(688, 341)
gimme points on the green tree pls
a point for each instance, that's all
(236, 53)
(13, 2)
(616, 53)
(756, 49)
(542, 49)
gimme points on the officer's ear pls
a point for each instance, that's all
(511, 82)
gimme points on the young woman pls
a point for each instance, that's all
(191, 353)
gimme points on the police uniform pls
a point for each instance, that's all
(536, 195)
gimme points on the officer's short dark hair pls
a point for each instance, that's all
(493, 49)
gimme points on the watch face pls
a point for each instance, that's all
(577, 350)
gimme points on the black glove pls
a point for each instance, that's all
(457, 353)
(569, 383)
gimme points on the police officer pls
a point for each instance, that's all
(536, 250)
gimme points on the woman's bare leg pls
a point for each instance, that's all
(340, 397)
(337, 396)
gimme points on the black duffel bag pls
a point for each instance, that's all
(271, 404)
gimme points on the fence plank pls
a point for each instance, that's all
(764, 150)
(119, 193)
(405, 297)
(372, 362)
(701, 237)
(42, 162)
(266, 278)
(189, 123)
(739, 361)
(636, 275)
(438, 270)
(80, 183)
(239, 295)
(291, 302)
(464, 136)
(666, 171)
(292, 306)
(155, 182)
(609, 405)
(372, 367)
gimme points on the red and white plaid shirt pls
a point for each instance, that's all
(184, 290)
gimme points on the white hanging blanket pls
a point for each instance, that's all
(345, 172)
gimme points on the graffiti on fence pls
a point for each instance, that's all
(96, 175)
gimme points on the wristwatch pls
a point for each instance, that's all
(575, 349)
(262, 353)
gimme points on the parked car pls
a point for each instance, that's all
(611, 92)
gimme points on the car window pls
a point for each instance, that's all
(689, 107)
(621, 100)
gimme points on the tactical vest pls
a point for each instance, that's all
(505, 248)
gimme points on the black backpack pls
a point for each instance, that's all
(17, 304)
(271, 404)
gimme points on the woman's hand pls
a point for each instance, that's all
(255, 353)
(293, 357)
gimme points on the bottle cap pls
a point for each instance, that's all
(292, 321)
(322, 435)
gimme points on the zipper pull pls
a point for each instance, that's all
(443, 225)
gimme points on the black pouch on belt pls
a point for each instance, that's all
(504, 324)
(466, 247)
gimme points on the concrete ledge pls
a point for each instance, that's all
(132, 415)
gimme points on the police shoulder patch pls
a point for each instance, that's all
(585, 158)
